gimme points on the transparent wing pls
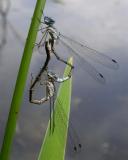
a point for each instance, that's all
(73, 136)
(85, 65)
(86, 51)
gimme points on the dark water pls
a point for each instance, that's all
(98, 111)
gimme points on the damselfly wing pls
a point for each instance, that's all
(74, 139)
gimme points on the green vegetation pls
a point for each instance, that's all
(21, 81)
(54, 144)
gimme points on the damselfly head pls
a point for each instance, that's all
(48, 21)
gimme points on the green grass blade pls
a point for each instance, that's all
(53, 147)
(21, 81)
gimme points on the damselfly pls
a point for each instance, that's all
(49, 82)
(50, 40)
(59, 113)
(79, 51)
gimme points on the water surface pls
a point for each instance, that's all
(98, 111)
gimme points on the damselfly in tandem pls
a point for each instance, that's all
(50, 40)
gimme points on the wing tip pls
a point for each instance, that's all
(113, 60)
(116, 65)
(101, 78)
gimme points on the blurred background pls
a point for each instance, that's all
(98, 112)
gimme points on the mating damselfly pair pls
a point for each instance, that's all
(50, 40)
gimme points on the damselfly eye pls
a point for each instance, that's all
(49, 21)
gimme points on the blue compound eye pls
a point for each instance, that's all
(49, 21)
